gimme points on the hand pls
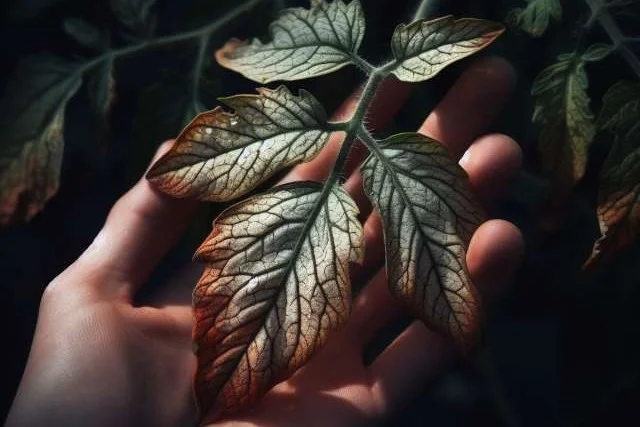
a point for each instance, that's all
(98, 360)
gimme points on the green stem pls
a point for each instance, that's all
(600, 13)
(203, 43)
(424, 9)
(202, 32)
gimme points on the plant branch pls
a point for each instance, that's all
(196, 74)
(424, 9)
(198, 33)
(600, 13)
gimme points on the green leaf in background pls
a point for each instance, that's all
(136, 17)
(620, 107)
(304, 43)
(564, 119)
(276, 284)
(222, 155)
(84, 33)
(618, 206)
(597, 52)
(423, 48)
(32, 115)
(101, 86)
(536, 16)
(429, 215)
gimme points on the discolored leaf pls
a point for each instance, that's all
(101, 87)
(423, 48)
(429, 216)
(32, 114)
(304, 43)
(276, 285)
(618, 207)
(565, 120)
(223, 155)
(536, 16)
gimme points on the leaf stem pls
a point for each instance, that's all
(198, 33)
(424, 9)
(196, 74)
(600, 13)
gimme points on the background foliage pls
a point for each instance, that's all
(560, 348)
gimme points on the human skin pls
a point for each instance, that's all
(98, 360)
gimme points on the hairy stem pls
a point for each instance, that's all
(600, 13)
(198, 33)
(424, 9)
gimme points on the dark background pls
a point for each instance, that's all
(561, 348)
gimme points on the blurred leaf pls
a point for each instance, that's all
(101, 86)
(536, 16)
(620, 107)
(136, 17)
(84, 34)
(32, 135)
(222, 155)
(304, 43)
(597, 52)
(618, 206)
(276, 285)
(429, 215)
(423, 48)
(565, 121)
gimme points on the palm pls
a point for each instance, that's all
(98, 360)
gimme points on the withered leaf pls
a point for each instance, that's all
(565, 120)
(423, 48)
(304, 43)
(429, 216)
(32, 112)
(618, 207)
(276, 285)
(536, 16)
(222, 155)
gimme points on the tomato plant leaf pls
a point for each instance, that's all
(222, 155)
(84, 33)
(136, 17)
(277, 283)
(423, 48)
(304, 43)
(597, 52)
(101, 87)
(32, 135)
(536, 16)
(620, 106)
(618, 206)
(429, 216)
(565, 120)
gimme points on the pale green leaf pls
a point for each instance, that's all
(276, 285)
(536, 16)
(429, 216)
(618, 205)
(564, 118)
(222, 155)
(84, 33)
(32, 112)
(423, 48)
(303, 43)
(597, 52)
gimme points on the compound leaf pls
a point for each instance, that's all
(423, 48)
(304, 43)
(429, 215)
(222, 155)
(32, 135)
(536, 16)
(277, 283)
(618, 206)
(565, 120)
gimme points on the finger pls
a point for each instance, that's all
(417, 354)
(471, 105)
(386, 103)
(491, 163)
(141, 227)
